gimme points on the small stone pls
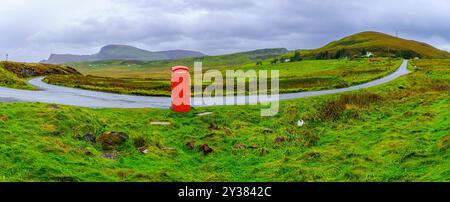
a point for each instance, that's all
(206, 149)
(253, 146)
(89, 138)
(190, 145)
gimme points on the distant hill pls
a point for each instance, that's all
(377, 43)
(122, 52)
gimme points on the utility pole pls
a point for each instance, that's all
(6, 57)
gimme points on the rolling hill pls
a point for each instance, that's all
(14, 74)
(122, 52)
(379, 44)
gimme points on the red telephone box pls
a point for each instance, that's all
(181, 89)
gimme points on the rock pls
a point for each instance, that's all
(4, 118)
(89, 138)
(204, 114)
(112, 140)
(190, 145)
(239, 146)
(110, 155)
(27, 72)
(267, 131)
(205, 149)
(280, 139)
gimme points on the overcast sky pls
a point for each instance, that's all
(30, 30)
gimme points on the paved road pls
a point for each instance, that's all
(85, 98)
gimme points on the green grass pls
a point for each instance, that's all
(16, 74)
(300, 76)
(398, 131)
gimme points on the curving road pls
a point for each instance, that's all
(85, 98)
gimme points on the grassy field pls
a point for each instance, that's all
(398, 131)
(161, 69)
(300, 76)
(379, 44)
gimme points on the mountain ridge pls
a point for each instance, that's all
(122, 52)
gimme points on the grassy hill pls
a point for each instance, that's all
(301, 76)
(357, 45)
(379, 44)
